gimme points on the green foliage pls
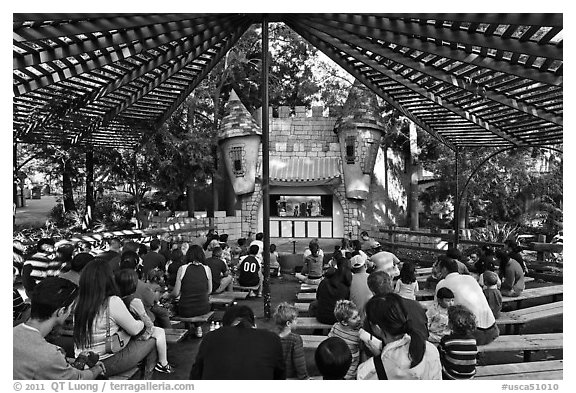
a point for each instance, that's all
(495, 232)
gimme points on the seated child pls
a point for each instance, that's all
(407, 285)
(437, 315)
(333, 358)
(492, 292)
(274, 264)
(127, 279)
(285, 318)
(348, 329)
(458, 349)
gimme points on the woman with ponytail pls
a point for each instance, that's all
(405, 353)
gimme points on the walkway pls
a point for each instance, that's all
(36, 211)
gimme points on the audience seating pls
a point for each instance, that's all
(548, 369)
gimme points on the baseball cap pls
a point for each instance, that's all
(357, 261)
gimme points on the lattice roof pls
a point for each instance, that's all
(468, 79)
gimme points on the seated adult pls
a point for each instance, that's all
(221, 280)
(153, 259)
(239, 351)
(178, 258)
(193, 285)
(386, 262)
(515, 252)
(369, 245)
(487, 261)
(101, 314)
(511, 273)
(456, 255)
(33, 356)
(405, 353)
(249, 272)
(40, 265)
(260, 243)
(313, 263)
(359, 290)
(330, 290)
(78, 263)
(469, 294)
(380, 284)
(158, 314)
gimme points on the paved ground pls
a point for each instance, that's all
(36, 211)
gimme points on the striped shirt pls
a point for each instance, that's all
(18, 305)
(294, 359)
(37, 268)
(352, 338)
(458, 356)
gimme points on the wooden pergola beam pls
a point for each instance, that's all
(436, 73)
(147, 36)
(409, 84)
(475, 59)
(331, 53)
(77, 24)
(539, 19)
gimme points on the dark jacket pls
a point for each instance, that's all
(330, 290)
(239, 353)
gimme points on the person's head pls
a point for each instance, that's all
(285, 316)
(503, 259)
(259, 236)
(333, 358)
(195, 254)
(184, 247)
(223, 238)
(96, 284)
(45, 245)
(314, 248)
(53, 298)
(127, 281)
(390, 322)
(461, 320)
(115, 244)
(131, 246)
(447, 265)
(358, 264)
(386, 262)
(347, 314)
(84, 246)
(241, 242)
(356, 245)
(272, 247)
(408, 273)
(486, 250)
(511, 245)
(445, 297)
(64, 252)
(129, 260)
(236, 251)
(364, 235)
(253, 250)
(142, 250)
(344, 243)
(239, 315)
(454, 253)
(474, 257)
(490, 278)
(380, 283)
(80, 260)
(217, 252)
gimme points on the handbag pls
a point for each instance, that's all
(115, 342)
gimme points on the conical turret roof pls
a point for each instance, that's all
(360, 110)
(237, 120)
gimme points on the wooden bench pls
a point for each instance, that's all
(306, 297)
(528, 343)
(221, 301)
(311, 323)
(232, 294)
(518, 318)
(308, 287)
(425, 294)
(240, 288)
(555, 291)
(302, 307)
(188, 321)
(174, 336)
(548, 369)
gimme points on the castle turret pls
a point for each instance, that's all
(239, 138)
(360, 130)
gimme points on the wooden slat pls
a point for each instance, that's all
(543, 370)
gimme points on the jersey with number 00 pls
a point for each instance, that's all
(249, 269)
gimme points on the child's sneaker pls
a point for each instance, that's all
(199, 331)
(167, 369)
